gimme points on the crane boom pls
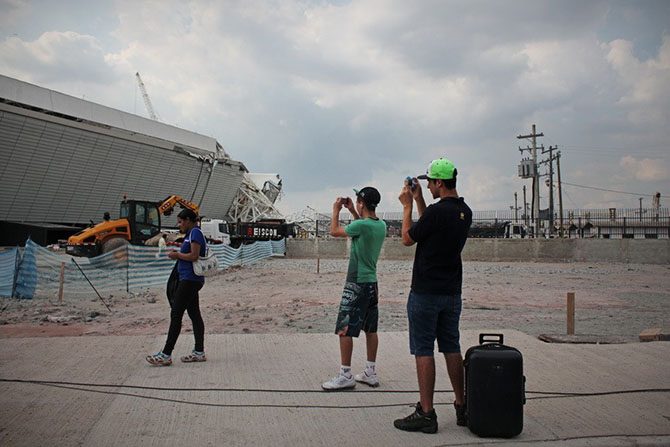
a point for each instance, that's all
(145, 96)
(166, 206)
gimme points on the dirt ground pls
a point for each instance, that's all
(280, 295)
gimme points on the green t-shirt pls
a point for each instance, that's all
(367, 236)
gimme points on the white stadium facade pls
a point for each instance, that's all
(67, 161)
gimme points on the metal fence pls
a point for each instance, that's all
(647, 223)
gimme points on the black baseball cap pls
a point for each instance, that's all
(369, 195)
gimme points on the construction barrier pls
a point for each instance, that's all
(39, 272)
(8, 263)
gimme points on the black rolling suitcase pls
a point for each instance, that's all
(494, 388)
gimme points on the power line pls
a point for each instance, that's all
(607, 157)
(613, 152)
(607, 151)
(612, 148)
(585, 153)
(570, 198)
(614, 157)
(612, 190)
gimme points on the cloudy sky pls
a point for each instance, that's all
(339, 94)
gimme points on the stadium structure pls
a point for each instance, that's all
(67, 161)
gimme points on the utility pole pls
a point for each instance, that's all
(516, 210)
(560, 193)
(551, 186)
(641, 209)
(525, 207)
(536, 181)
(551, 192)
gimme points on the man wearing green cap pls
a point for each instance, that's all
(358, 307)
(434, 302)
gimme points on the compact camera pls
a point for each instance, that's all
(346, 201)
(410, 182)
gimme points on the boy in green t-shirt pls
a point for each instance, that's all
(358, 308)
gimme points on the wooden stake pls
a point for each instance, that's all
(571, 313)
(62, 281)
(316, 245)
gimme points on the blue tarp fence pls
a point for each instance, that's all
(8, 264)
(36, 271)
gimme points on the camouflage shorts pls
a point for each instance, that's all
(358, 309)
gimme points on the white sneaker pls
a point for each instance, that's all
(368, 379)
(339, 382)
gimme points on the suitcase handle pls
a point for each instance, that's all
(486, 338)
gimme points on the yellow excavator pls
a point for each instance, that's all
(138, 221)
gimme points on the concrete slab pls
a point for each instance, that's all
(262, 389)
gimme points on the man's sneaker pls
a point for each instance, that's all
(159, 359)
(461, 415)
(339, 382)
(368, 379)
(418, 421)
(194, 356)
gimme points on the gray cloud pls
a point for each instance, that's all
(335, 95)
(55, 57)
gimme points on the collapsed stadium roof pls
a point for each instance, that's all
(68, 160)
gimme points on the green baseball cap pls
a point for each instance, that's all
(442, 169)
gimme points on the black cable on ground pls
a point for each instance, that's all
(336, 407)
(84, 386)
(517, 441)
(209, 404)
(280, 390)
(546, 395)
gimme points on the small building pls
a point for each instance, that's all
(631, 230)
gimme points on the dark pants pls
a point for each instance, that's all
(186, 299)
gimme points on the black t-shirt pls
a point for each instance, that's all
(440, 234)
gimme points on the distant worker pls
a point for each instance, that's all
(186, 296)
(434, 303)
(358, 307)
(106, 217)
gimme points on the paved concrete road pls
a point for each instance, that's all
(80, 414)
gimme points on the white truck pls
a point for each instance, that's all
(215, 230)
(515, 231)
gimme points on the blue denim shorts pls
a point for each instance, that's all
(433, 317)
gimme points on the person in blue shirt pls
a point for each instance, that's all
(186, 296)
